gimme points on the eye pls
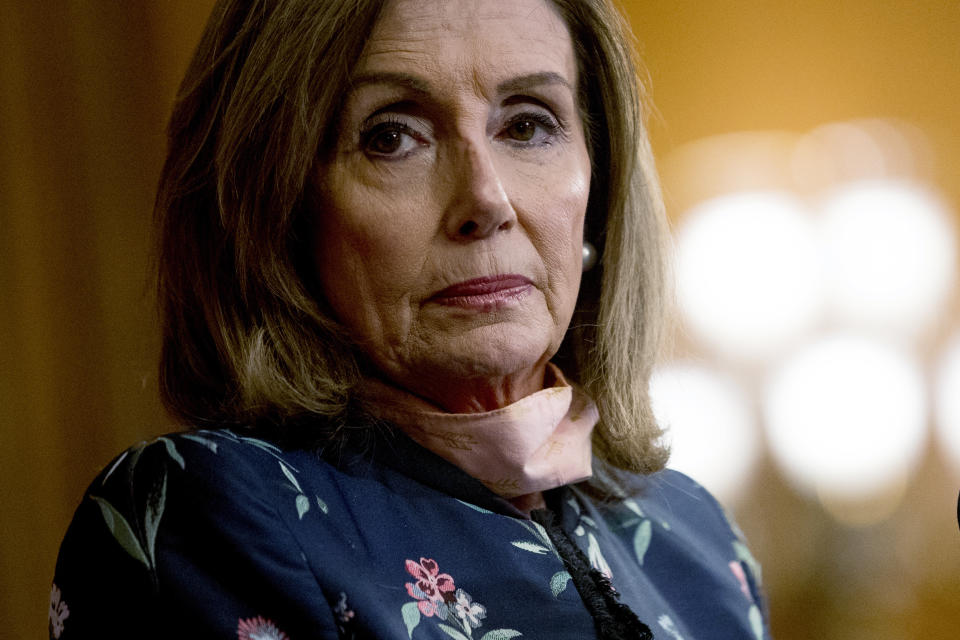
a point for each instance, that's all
(531, 129)
(522, 130)
(389, 139)
(386, 141)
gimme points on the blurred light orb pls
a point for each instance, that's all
(709, 425)
(846, 417)
(948, 401)
(870, 148)
(890, 253)
(748, 273)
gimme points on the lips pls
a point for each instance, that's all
(489, 291)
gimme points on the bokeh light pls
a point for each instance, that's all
(846, 417)
(786, 238)
(947, 395)
(748, 273)
(890, 254)
(710, 426)
(873, 148)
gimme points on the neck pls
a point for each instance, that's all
(478, 395)
(518, 450)
(529, 502)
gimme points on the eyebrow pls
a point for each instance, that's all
(532, 80)
(420, 86)
(405, 80)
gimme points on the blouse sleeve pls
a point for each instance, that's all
(744, 566)
(180, 537)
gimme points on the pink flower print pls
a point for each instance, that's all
(432, 587)
(259, 629)
(59, 611)
(469, 612)
(741, 576)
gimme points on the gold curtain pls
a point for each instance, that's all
(85, 88)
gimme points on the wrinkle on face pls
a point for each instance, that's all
(386, 235)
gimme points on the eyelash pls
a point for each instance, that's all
(552, 126)
(368, 135)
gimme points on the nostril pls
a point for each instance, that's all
(468, 228)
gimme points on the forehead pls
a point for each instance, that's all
(470, 40)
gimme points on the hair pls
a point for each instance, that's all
(246, 337)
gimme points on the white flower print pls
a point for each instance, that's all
(59, 611)
(471, 613)
(436, 596)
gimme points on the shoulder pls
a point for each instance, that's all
(173, 524)
(699, 521)
(666, 491)
(689, 548)
(681, 495)
(191, 465)
(685, 511)
(174, 479)
(218, 477)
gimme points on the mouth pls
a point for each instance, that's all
(487, 293)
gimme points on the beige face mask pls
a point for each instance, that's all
(537, 443)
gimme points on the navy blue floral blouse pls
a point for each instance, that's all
(214, 534)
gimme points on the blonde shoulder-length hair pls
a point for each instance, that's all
(246, 337)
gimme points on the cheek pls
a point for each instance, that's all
(357, 259)
(563, 229)
(558, 210)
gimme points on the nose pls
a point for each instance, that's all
(479, 206)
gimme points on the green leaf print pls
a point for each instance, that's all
(744, 555)
(453, 633)
(595, 555)
(114, 466)
(559, 582)
(756, 622)
(209, 444)
(260, 444)
(303, 505)
(411, 617)
(474, 507)
(121, 531)
(641, 540)
(172, 451)
(290, 477)
(540, 533)
(633, 506)
(155, 506)
(501, 634)
(530, 546)
(322, 505)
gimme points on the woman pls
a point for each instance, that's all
(415, 406)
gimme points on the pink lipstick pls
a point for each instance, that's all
(484, 294)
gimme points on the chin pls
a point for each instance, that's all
(500, 353)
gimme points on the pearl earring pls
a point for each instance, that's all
(589, 256)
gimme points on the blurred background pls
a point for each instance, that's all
(810, 156)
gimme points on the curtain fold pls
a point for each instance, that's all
(85, 89)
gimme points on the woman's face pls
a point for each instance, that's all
(450, 217)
